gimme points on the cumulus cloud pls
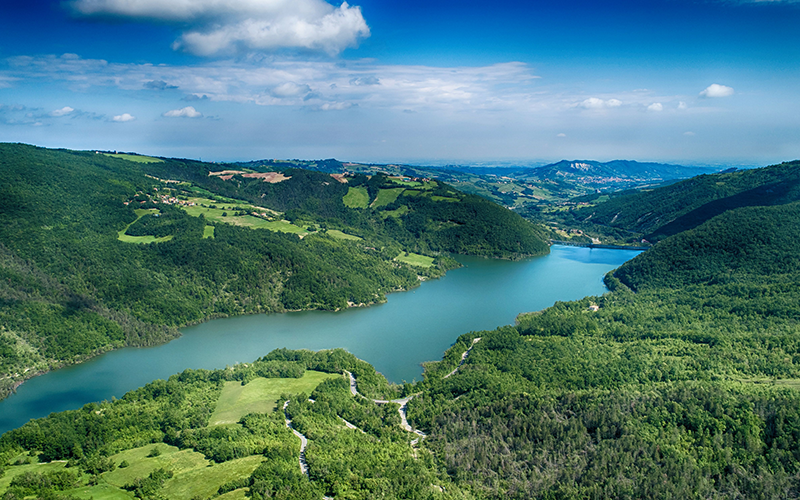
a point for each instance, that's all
(688, 133)
(159, 85)
(62, 112)
(716, 90)
(215, 27)
(124, 117)
(656, 106)
(187, 112)
(597, 103)
(682, 105)
(562, 134)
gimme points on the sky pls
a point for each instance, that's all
(434, 82)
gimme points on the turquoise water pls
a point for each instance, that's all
(395, 337)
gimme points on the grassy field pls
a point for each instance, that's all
(229, 209)
(395, 213)
(356, 197)
(135, 158)
(386, 196)
(16, 470)
(208, 232)
(141, 212)
(401, 182)
(194, 476)
(415, 259)
(261, 395)
(342, 236)
(444, 198)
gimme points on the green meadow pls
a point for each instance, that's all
(356, 197)
(415, 259)
(135, 158)
(261, 395)
(141, 212)
(386, 197)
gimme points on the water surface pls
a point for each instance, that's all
(395, 337)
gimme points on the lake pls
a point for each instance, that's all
(395, 337)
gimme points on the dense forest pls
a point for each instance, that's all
(680, 383)
(78, 276)
(685, 205)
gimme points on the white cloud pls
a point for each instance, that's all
(682, 105)
(187, 112)
(689, 134)
(716, 90)
(124, 117)
(290, 89)
(221, 27)
(62, 112)
(562, 134)
(335, 106)
(597, 103)
(656, 106)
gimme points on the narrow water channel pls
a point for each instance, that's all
(395, 337)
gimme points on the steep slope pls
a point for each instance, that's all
(684, 205)
(748, 243)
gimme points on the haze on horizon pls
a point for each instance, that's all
(714, 81)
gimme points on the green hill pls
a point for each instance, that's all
(101, 251)
(687, 204)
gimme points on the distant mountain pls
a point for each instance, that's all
(617, 173)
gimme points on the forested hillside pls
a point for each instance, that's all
(101, 251)
(685, 205)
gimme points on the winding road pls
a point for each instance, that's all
(403, 410)
(464, 356)
(303, 440)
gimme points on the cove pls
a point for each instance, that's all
(395, 337)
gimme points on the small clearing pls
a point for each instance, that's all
(261, 395)
(356, 197)
(414, 259)
(386, 197)
(124, 237)
(135, 158)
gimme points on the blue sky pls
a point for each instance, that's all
(704, 81)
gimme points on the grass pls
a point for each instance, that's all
(208, 232)
(216, 215)
(387, 196)
(135, 158)
(15, 470)
(342, 236)
(194, 476)
(395, 213)
(444, 198)
(356, 197)
(415, 259)
(405, 183)
(261, 395)
(141, 212)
